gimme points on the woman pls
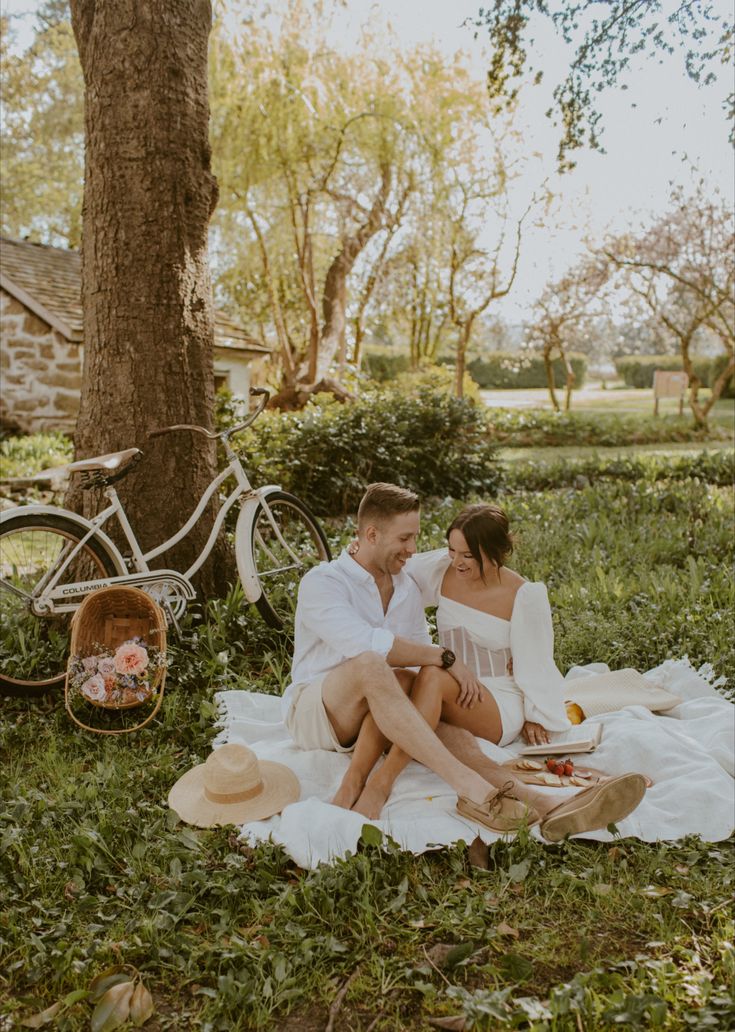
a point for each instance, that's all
(499, 625)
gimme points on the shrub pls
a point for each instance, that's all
(385, 364)
(502, 369)
(638, 370)
(430, 442)
(716, 468)
(536, 428)
(716, 366)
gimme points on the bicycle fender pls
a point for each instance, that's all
(243, 537)
(73, 517)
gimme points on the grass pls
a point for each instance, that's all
(617, 399)
(95, 872)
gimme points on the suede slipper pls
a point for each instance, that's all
(596, 807)
(499, 812)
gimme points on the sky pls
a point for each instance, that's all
(654, 132)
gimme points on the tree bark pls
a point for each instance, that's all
(548, 364)
(334, 299)
(146, 292)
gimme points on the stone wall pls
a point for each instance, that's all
(41, 371)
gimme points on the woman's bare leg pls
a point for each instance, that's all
(370, 745)
(434, 695)
(433, 691)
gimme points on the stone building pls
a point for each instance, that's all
(41, 346)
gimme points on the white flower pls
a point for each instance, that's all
(94, 688)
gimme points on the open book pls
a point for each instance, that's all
(563, 743)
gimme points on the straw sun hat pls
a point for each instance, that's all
(233, 787)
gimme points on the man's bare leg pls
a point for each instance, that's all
(369, 747)
(430, 696)
(366, 683)
(427, 697)
(464, 746)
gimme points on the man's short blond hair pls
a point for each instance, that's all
(381, 502)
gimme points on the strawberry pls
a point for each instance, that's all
(559, 769)
(568, 767)
(551, 764)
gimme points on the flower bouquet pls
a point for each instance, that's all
(117, 679)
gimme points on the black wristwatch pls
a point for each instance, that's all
(448, 658)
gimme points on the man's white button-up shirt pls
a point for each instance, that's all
(340, 614)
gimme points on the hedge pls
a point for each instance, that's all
(429, 441)
(499, 370)
(638, 370)
(717, 364)
(383, 366)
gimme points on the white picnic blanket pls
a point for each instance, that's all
(688, 753)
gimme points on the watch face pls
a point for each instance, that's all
(448, 658)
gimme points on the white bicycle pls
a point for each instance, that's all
(51, 558)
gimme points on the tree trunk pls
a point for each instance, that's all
(548, 364)
(334, 298)
(146, 292)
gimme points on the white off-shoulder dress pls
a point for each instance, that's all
(486, 644)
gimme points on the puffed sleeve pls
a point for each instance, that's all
(427, 569)
(534, 669)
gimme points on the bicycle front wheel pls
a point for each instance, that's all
(286, 542)
(33, 648)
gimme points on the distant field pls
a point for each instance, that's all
(550, 453)
(619, 400)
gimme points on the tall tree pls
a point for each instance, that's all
(682, 268)
(604, 38)
(565, 311)
(42, 131)
(148, 198)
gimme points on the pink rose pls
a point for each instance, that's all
(94, 688)
(131, 659)
(106, 666)
(89, 663)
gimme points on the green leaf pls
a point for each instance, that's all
(75, 997)
(458, 953)
(114, 1008)
(105, 980)
(516, 967)
(371, 836)
(519, 872)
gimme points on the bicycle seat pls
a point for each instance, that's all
(107, 467)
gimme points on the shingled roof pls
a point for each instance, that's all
(48, 281)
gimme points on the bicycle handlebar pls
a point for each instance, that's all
(223, 434)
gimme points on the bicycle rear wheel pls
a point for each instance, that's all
(33, 648)
(283, 556)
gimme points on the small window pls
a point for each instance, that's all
(221, 379)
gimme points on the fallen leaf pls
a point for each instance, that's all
(141, 1005)
(506, 929)
(43, 1017)
(654, 891)
(456, 1024)
(477, 854)
(463, 883)
(113, 1009)
(602, 889)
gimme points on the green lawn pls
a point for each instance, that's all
(96, 873)
(617, 400)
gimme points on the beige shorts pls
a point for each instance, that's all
(307, 721)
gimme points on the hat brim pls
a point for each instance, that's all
(280, 788)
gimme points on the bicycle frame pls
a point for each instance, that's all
(50, 598)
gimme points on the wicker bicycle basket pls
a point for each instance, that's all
(108, 618)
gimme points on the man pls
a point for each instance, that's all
(359, 629)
